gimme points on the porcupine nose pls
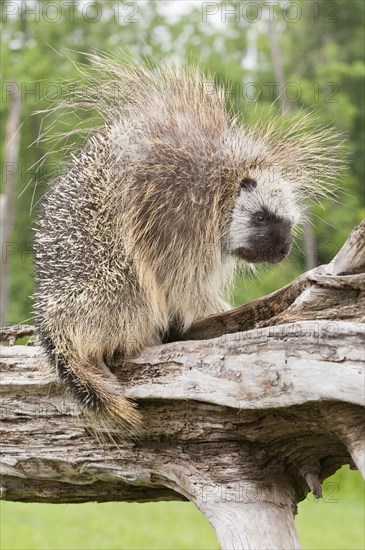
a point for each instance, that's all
(281, 239)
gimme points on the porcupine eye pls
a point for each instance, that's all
(259, 218)
(248, 184)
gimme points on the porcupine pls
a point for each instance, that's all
(142, 233)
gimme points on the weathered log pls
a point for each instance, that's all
(243, 424)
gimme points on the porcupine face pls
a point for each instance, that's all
(265, 210)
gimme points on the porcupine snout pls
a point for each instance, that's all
(270, 239)
(280, 240)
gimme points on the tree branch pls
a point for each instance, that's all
(243, 424)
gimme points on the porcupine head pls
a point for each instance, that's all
(142, 233)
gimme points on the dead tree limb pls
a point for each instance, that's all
(243, 424)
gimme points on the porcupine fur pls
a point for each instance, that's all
(142, 232)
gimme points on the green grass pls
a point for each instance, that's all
(109, 526)
(336, 522)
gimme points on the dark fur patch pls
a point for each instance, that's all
(269, 218)
(248, 184)
(82, 392)
(174, 331)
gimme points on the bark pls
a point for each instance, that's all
(243, 424)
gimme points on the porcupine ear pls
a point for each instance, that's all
(247, 184)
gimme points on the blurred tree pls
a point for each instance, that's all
(7, 198)
(325, 58)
